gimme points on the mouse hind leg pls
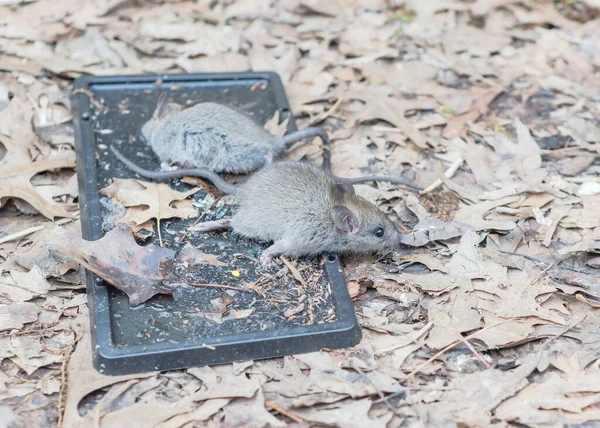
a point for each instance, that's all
(209, 226)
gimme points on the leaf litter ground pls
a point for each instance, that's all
(488, 315)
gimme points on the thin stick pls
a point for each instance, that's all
(392, 348)
(320, 118)
(158, 230)
(294, 271)
(377, 390)
(89, 95)
(284, 412)
(63, 386)
(477, 354)
(525, 256)
(450, 346)
(435, 357)
(23, 233)
(194, 284)
(415, 388)
(200, 217)
(553, 338)
(544, 262)
(448, 174)
(564, 149)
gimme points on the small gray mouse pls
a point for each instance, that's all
(216, 137)
(305, 212)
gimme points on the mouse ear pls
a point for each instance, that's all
(344, 219)
(346, 188)
(161, 106)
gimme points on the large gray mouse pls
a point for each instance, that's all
(216, 137)
(305, 212)
(228, 188)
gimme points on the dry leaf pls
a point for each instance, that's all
(431, 229)
(482, 97)
(473, 397)
(29, 354)
(250, 411)
(379, 106)
(150, 200)
(16, 315)
(15, 182)
(120, 261)
(345, 415)
(193, 256)
(555, 401)
(16, 134)
(83, 378)
(228, 387)
(56, 133)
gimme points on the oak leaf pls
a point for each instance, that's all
(15, 182)
(147, 201)
(116, 257)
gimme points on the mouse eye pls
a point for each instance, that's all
(379, 232)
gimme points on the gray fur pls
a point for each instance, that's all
(211, 136)
(291, 204)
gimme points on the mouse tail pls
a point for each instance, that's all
(207, 174)
(294, 137)
(369, 178)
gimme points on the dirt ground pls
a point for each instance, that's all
(487, 315)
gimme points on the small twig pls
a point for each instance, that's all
(200, 217)
(450, 346)
(284, 412)
(545, 262)
(377, 390)
(564, 149)
(565, 331)
(23, 233)
(212, 348)
(62, 392)
(448, 174)
(477, 354)
(416, 388)
(435, 357)
(294, 271)
(325, 115)
(533, 281)
(525, 256)
(582, 298)
(419, 333)
(158, 230)
(194, 284)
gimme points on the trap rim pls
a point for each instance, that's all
(110, 359)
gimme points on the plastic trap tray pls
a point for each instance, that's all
(187, 329)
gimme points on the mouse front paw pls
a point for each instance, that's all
(266, 260)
